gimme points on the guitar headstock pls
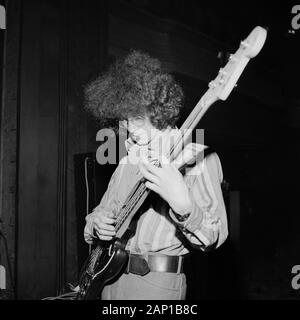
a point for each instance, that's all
(227, 77)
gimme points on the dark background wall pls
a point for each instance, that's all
(54, 47)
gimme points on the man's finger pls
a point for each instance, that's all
(105, 232)
(152, 169)
(102, 237)
(105, 226)
(108, 220)
(110, 215)
(147, 174)
(153, 187)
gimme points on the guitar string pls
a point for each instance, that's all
(128, 209)
(128, 201)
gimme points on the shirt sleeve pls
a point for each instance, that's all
(107, 203)
(206, 227)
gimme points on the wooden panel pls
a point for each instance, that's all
(63, 47)
(39, 102)
(9, 119)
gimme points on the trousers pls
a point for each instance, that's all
(152, 286)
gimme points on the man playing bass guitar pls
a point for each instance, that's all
(182, 211)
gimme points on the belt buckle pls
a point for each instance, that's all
(166, 263)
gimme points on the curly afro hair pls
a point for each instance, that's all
(134, 86)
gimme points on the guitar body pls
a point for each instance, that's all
(103, 265)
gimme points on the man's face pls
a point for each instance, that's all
(140, 129)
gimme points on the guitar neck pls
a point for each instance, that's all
(191, 122)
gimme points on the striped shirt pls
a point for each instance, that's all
(158, 229)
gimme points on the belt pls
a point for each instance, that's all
(143, 264)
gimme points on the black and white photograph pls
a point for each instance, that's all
(149, 151)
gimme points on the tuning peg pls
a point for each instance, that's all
(222, 72)
(235, 85)
(244, 44)
(212, 84)
(232, 58)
